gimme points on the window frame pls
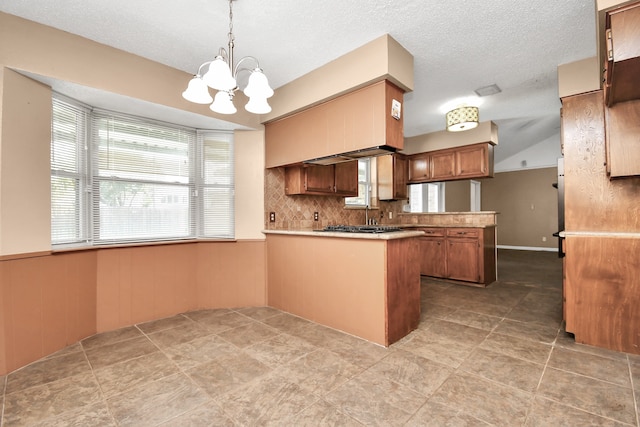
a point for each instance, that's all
(193, 182)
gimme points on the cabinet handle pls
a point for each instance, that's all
(461, 232)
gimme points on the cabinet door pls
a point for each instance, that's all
(462, 259)
(419, 168)
(392, 177)
(622, 65)
(432, 256)
(319, 178)
(399, 176)
(472, 161)
(346, 178)
(443, 165)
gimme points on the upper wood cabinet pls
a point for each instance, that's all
(622, 58)
(392, 177)
(346, 178)
(357, 120)
(470, 161)
(334, 180)
(623, 139)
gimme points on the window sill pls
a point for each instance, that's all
(137, 244)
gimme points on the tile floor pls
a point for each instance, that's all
(481, 357)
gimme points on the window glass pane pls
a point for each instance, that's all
(68, 172)
(143, 180)
(216, 189)
(142, 211)
(65, 210)
(364, 183)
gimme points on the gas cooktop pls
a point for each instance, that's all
(361, 228)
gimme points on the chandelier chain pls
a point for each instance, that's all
(230, 21)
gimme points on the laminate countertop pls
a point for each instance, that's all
(371, 236)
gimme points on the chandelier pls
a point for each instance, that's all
(222, 75)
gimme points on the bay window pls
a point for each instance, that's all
(138, 180)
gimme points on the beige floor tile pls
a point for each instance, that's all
(429, 309)
(279, 350)
(322, 414)
(178, 335)
(246, 335)
(48, 370)
(504, 369)
(206, 415)
(531, 331)
(227, 373)
(321, 371)
(156, 402)
(162, 324)
(475, 320)
(483, 399)
(269, 400)
(447, 351)
(217, 321)
(517, 347)
(120, 377)
(451, 330)
(417, 373)
(567, 341)
(433, 414)
(42, 402)
(635, 373)
(286, 322)
(96, 415)
(73, 348)
(394, 403)
(110, 337)
(108, 354)
(594, 396)
(200, 350)
(545, 412)
(259, 313)
(602, 368)
(359, 352)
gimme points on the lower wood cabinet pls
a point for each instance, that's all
(465, 254)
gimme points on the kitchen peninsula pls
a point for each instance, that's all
(367, 285)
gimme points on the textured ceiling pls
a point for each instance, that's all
(457, 46)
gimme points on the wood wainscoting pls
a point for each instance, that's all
(50, 301)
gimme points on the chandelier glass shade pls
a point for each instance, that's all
(222, 75)
(462, 118)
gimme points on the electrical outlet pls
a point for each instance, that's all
(272, 217)
(390, 215)
(315, 216)
(544, 238)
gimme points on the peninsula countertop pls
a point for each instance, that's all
(371, 236)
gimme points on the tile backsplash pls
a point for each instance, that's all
(296, 212)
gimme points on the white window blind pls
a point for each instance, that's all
(117, 178)
(216, 185)
(143, 185)
(69, 198)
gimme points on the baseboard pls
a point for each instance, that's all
(527, 248)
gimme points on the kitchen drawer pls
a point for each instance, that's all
(463, 232)
(432, 232)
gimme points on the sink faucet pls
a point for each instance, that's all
(366, 214)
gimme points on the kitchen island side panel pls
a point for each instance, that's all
(335, 282)
(403, 288)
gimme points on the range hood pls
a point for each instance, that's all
(352, 155)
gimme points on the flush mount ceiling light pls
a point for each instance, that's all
(222, 76)
(462, 118)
